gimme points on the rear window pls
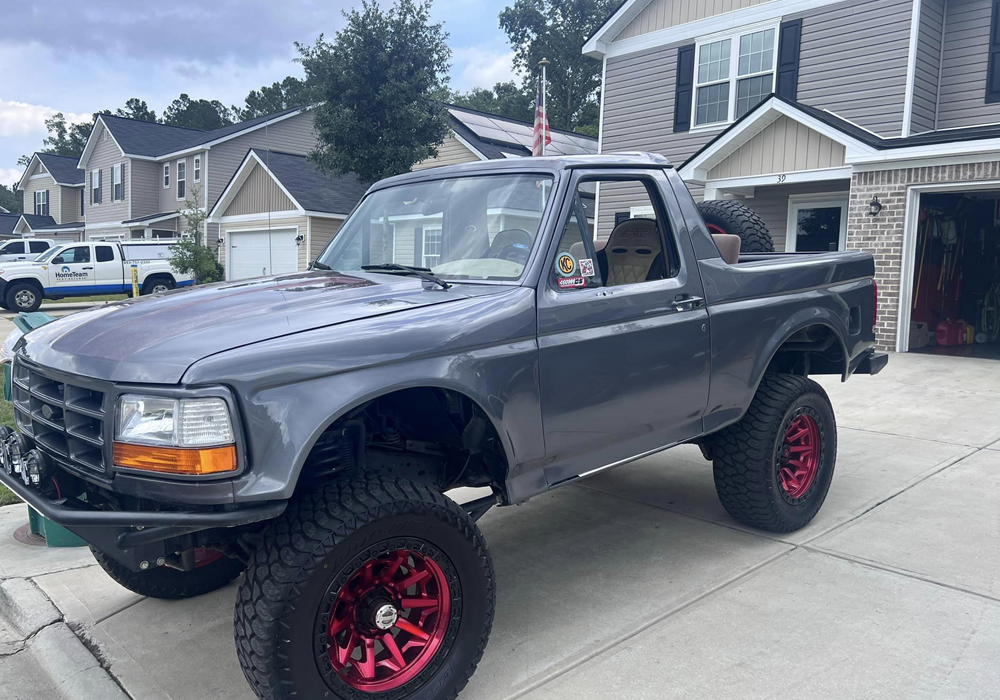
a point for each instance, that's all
(105, 253)
(38, 246)
(13, 248)
(146, 252)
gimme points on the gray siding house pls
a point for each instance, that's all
(865, 124)
(52, 198)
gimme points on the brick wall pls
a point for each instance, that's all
(882, 235)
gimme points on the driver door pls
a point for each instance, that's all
(623, 332)
(72, 270)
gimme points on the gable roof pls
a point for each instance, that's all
(496, 137)
(152, 140)
(7, 223)
(62, 169)
(309, 189)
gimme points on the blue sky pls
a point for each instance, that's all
(79, 57)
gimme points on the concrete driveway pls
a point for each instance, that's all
(636, 584)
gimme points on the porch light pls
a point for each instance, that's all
(874, 207)
(299, 238)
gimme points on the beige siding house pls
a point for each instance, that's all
(51, 189)
(842, 123)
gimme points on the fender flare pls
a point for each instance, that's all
(797, 322)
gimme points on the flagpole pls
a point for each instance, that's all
(543, 63)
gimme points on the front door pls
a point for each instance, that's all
(72, 271)
(623, 333)
(817, 223)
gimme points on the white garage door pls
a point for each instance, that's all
(261, 253)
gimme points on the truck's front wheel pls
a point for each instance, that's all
(21, 296)
(773, 468)
(366, 587)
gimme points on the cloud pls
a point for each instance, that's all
(8, 176)
(478, 67)
(20, 118)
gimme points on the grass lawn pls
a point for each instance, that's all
(105, 297)
(6, 418)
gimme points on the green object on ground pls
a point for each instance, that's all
(55, 535)
(30, 321)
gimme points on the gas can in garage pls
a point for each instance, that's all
(951, 333)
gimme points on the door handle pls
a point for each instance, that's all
(88, 268)
(687, 303)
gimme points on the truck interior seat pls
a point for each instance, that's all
(729, 246)
(633, 253)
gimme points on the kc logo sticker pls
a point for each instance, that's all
(565, 264)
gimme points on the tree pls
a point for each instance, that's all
(375, 84)
(135, 109)
(197, 114)
(66, 139)
(554, 29)
(191, 256)
(506, 99)
(10, 199)
(290, 92)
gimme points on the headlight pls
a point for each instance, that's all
(179, 436)
(7, 349)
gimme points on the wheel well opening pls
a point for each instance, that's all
(815, 349)
(427, 434)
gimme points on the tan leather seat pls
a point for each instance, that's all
(631, 251)
(729, 246)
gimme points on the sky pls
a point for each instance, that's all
(79, 57)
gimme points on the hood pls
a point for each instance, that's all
(13, 265)
(155, 339)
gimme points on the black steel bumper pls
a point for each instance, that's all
(132, 537)
(872, 363)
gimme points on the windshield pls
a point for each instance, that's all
(468, 228)
(49, 253)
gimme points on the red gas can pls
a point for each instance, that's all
(951, 333)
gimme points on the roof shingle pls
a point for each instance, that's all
(62, 168)
(312, 189)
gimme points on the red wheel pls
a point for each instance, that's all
(800, 456)
(389, 620)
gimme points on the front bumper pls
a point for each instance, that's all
(133, 537)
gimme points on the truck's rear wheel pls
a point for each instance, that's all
(773, 468)
(212, 571)
(730, 216)
(366, 587)
(21, 296)
(157, 285)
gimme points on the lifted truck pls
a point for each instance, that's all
(463, 329)
(88, 269)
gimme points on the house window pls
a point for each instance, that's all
(41, 202)
(166, 175)
(117, 187)
(197, 168)
(181, 179)
(733, 74)
(95, 186)
(431, 247)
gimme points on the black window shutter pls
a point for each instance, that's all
(418, 246)
(100, 185)
(123, 182)
(993, 72)
(621, 217)
(45, 206)
(684, 92)
(81, 202)
(789, 43)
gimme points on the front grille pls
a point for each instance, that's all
(64, 418)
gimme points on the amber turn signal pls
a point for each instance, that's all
(176, 460)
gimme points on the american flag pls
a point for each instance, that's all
(541, 123)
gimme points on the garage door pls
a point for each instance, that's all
(261, 253)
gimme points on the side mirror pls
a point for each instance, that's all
(57, 260)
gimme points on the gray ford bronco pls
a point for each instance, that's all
(509, 325)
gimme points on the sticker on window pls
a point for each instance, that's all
(586, 267)
(565, 264)
(571, 282)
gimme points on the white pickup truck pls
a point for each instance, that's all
(88, 269)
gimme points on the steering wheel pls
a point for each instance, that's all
(513, 244)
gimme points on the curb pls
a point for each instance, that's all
(65, 660)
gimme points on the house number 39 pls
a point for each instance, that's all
(782, 178)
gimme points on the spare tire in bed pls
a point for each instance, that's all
(729, 216)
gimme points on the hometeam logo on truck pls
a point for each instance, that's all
(65, 273)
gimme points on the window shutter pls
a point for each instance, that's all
(993, 72)
(789, 43)
(100, 185)
(621, 217)
(45, 205)
(684, 91)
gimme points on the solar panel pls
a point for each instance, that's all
(499, 130)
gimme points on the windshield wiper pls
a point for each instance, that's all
(317, 265)
(421, 272)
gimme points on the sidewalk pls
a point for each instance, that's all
(636, 585)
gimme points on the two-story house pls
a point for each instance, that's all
(139, 176)
(52, 192)
(865, 124)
